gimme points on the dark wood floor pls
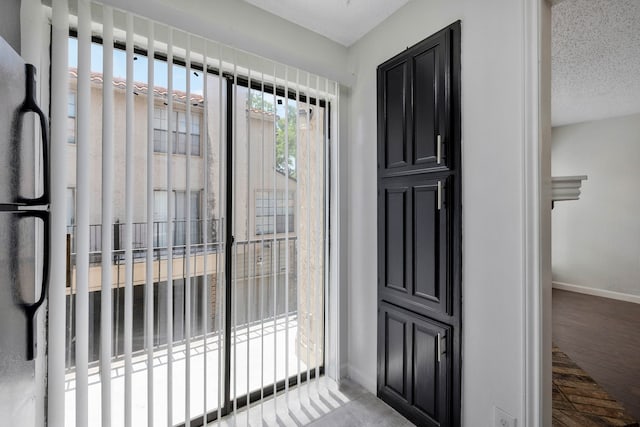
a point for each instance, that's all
(579, 401)
(603, 337)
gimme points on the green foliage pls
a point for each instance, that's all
(286, 127)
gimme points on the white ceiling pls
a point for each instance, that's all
(595, 47)
(343, 21)
(595, 59)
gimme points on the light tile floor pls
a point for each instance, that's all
(320, 403)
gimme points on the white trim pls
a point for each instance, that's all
(57, 276)
(536, 344)
(334, 356)
(532, 401)
(620, 296)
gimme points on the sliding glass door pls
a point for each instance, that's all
(278, 251)
(199, 198)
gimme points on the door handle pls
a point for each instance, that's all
(439, 195)
(439, 149)
(30, 104)
(30, 310)
(37, 207)
(439, 351)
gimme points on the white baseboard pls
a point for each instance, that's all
(365, 381)
(596, 292)
(344, 370)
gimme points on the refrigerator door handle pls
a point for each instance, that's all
(30, 104)
(30, 310)
(37, 207)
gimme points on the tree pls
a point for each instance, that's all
(286, 128)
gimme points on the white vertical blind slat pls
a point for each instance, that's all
(318, 313)
(128, 238)
(149, 282)
(107, 215)
(286, 229)
(334, 300)
(170, 227)
(205, 228)
(262, 275)
(308, 205)
(327, 230)
(82, 211)
(221, 275)
(187, 280)
(249, 246)
(59, 94)
(299, 323)
(274, 247)
(234, 229)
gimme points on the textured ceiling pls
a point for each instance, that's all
(343, 21)
(595, 59)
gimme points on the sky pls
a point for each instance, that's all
(139, 68)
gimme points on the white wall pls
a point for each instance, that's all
(596, 240)
(243, 26)
(10, 23)
(492, 128)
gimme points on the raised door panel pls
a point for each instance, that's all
(430, 374)
(395, 350)
(430, 238)
(421, 388)
(429, 111)
(395, 93)
(395, 246)
(413, 110)
(415, 243)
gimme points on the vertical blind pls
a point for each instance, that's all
(198, 228)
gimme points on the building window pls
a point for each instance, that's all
(184, 138)
(160, 127)
(71, 206)
(180, 224)
(270, 209)
(71, 118)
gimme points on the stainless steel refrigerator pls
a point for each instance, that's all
(24, 235)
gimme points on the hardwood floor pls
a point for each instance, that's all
(579, 401)
(603, 337)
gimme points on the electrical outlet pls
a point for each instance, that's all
(502, 419)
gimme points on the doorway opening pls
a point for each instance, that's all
(595, 143)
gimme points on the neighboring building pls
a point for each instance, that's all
(270, 222)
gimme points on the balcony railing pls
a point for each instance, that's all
(259, 275)
(160, 230)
